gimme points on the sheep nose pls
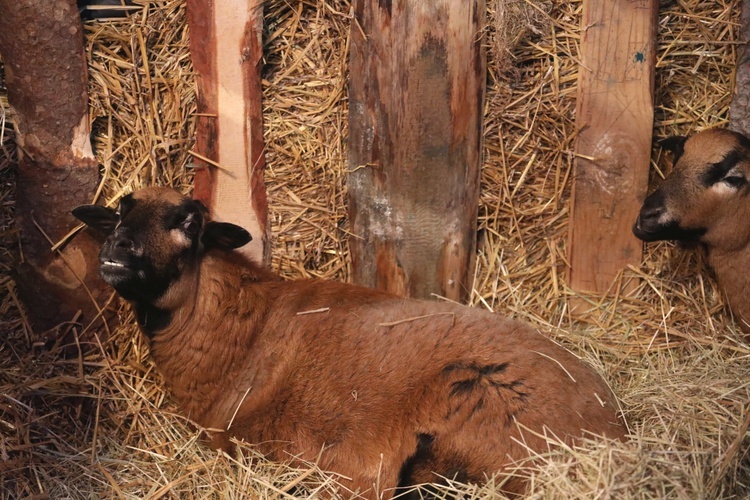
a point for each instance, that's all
(651, 213)
(122, 240)
(653, 207)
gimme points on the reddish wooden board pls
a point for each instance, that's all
(226, 47)
(614, 117)
(416, 98)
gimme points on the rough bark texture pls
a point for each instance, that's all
(615, 117)
(739, 110)
(415, 121)
(45, 69)
(226, 47)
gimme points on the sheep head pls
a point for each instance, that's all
(705, 198)
(153, 236)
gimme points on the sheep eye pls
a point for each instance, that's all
(735, 181)
(190, 226)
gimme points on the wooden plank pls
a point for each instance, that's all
(415, 127)
(739, 110)
(614, 117)
(226, 47)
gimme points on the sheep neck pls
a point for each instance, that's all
(197, 351)
(151, 319)
(731, 269)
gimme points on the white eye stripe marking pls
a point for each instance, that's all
(724, 188)
(179, 237)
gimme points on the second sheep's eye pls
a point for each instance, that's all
(735, 181)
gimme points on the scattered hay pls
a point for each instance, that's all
(142, 99)
(510, 22)
(103, 426)
(305, 113)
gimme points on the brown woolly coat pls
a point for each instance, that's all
(388, 389)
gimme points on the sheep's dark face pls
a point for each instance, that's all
(153, 236)
(705, 198)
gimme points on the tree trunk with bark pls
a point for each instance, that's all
(416, 98)
(41, 42)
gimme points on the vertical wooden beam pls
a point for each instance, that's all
(739, 110)
(227, 50)
(415, 128)
(45, 69)
(614, 117)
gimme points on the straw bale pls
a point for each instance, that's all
(103, 425)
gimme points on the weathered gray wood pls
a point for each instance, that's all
(415, 127)
(739, 109)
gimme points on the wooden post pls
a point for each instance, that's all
(226, 47)
(739, 110)
(614, 117)
(45, 68)
(415, 128)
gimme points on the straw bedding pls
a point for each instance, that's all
(103, 425)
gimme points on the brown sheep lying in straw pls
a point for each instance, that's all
(383, 390)
(705, 200)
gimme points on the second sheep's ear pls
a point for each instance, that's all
(675, 145)
(97, 217)
(224, 236)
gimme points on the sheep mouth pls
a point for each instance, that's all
(113, 264)
(113, 271)
(648, 234)
(670, 232)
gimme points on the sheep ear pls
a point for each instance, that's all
(675, 145)
(224, 235)
(102, 219)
